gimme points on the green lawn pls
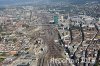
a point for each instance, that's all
(1, 59)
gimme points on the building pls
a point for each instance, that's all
(55, 19)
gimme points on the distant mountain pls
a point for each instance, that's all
(17, 2)
(83, 1)
(76, 1)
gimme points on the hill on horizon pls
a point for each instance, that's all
(19, 2)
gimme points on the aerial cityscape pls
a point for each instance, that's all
(50, 33)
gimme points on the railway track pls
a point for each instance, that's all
(53, 50)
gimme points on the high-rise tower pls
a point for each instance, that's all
(55, 19)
